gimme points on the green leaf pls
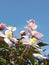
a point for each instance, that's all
(42, 44)
(3, 61)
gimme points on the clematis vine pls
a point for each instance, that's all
(26, 48)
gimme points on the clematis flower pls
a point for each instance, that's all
(11, 41)
(2, 26)
(8, 38)
(11, 28)
(32, 25)
(26, 40)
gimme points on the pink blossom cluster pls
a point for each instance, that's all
(32, 29)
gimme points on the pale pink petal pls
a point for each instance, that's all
(11, 28)
(38, 35)
(31, 21)
(25, 39)
(28, 28)
(14, 40)
(32, 25)
(8, 41)
(32, 32)
(2, 35)
(35, 34)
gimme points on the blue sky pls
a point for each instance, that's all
(16, 12)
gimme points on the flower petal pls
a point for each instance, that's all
(38, 35)
(32, 25)
(11, 28)
(39, 56)
(35, 34)
(2, 35)
(25, 39)
(30, 21)
(14, 40)
(8, 41)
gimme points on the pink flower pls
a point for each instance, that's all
(26, 40)
(32, 25)
(2, 26)
(35, 34)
